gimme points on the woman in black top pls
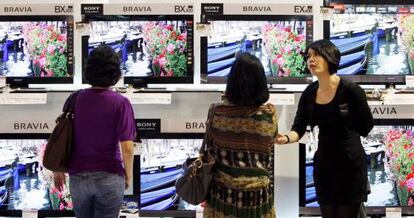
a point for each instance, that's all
(340, 109)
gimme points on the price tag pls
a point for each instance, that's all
(29, 213)
(149, 98)
(203, 29)
(282, 99)
(327, 13)
(394, 212)
(199, 212)
(409, 81)
(23, 98)
(2, 81)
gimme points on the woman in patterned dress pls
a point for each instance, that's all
(241, 140)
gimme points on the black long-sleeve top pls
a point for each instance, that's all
(352, 103)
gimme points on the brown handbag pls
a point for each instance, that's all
(193, 186)
(59, 146)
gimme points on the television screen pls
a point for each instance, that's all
(373, 38)
(389, 152)
(25, 183)
(279, 43)
(38, 49)
(154, 49)
(161, 162)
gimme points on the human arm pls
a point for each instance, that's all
(300, 122)
(362, 120)
(127, 149)
(59, 179)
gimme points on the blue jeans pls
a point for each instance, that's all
(97, 194)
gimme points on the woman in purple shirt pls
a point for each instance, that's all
(104, 119)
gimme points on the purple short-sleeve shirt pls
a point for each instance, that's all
(103, 119)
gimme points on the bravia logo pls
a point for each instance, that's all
(30, 126)
(257, 9)
(383, 111)
(195, 125)
(303, 9)
(183, 8)
(136, 9)
(17, 9)
(63, 9)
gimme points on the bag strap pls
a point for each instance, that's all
(71, 102)
(210, 117)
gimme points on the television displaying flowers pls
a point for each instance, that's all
(35, 49)
(279, 43)
(158, 48)
(389, 154)
(161, 166)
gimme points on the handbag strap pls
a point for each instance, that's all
(210, 117)
(70, 102)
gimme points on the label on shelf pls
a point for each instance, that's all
(29, 213)
(409, 81)
(393, 212)
(23, 98)
(149, 98)
(2, 81)
(282, 99)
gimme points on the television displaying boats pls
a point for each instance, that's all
(371, 41)
(389, 154)
(161, 162)
(278, 44)
(145, 48)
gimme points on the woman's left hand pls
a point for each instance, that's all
(59, 179)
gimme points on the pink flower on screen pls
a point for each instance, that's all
(410, 202)
(410, 183)
(170, 48)
(51, 49)
(162, 61)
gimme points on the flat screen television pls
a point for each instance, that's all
(161, 164)
(278, 41)
(375, 41)
(389, 148)
(36, 49)
(26, 184)
(152, 49)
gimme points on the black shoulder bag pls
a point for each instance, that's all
(193, 186)
(59, 146)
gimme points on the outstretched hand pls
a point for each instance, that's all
(281, 139)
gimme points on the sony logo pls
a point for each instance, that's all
(136, 9)
(383, 111)
(63, 9)
(30, 126)
(91, 8)
(214, 8)
(17, 9)
(195, 125)
(302, 9)
(146, 125)
(257, 9)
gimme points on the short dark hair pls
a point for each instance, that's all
(246, 83)
(328, 51)
(102, 68)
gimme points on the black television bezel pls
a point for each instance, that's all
(270, 80)
(371, 210)
(143, 81)
(63, 213)
(167, 213)
(70, 50)
(387, 80)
